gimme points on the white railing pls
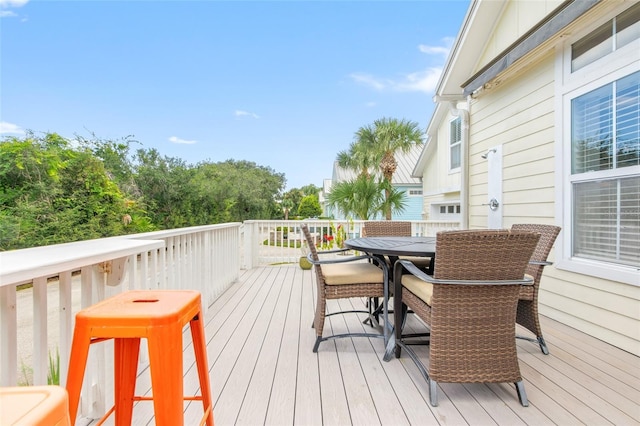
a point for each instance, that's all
(64, 278)
(42, 288)
(278, 241)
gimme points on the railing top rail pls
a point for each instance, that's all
(183, 231)
(19, 266)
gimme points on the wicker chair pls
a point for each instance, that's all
(341, 278)
(527, 315)
(469, 305)
(394, 228)
(386, 228)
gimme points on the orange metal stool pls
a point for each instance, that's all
(34, 406)
(159, 316)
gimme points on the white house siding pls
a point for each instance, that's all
(519, 115)
(517, 18)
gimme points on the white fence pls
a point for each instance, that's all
(42, 288)
(77, 275)
(278, 241)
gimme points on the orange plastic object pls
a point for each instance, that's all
(34, 406)
(159, 316)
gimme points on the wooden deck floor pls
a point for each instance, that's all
(263, 371)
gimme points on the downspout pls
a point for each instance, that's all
(464, 163)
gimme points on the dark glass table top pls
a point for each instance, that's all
(394, 246)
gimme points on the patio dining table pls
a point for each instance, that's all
(394, 248)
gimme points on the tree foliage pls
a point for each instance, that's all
(53, 191)
(309, 207)
(364, 198)
(372, 156)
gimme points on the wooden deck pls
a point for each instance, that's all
(263, 371)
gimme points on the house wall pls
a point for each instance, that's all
(440, 184)
(519, 115)
(517, 18)
(413, 209)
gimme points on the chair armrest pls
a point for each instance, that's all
(540, 262)
(414, 270)
(379, 262)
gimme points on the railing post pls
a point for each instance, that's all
(249, 245)
(8, 336)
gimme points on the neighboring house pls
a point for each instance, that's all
(439, 166)
(547, 94)
(402, 180)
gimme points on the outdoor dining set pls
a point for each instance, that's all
(470, 288)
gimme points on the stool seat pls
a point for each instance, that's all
(133, 313)
(34, 406)
(159, 316)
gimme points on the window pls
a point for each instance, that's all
(609, 37)
(455, 142)
(446, 211)
(601, 153)
(415, 192)
(605, 142)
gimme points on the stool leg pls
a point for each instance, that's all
(200, 349)
(77, 364)
(126, 353)
(165, 360)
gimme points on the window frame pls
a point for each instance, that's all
(570, 85)
(453, 144)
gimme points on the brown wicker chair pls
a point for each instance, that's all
(341, 278)
(386, 228)
(469, 305)
(527, 315)
(394, 228)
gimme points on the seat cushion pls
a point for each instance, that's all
(420, 262)
(418, 287)
(351, 273)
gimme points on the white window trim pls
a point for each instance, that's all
(568, 86)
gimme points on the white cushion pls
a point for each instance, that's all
(418, 287)
(351, 273)
(420, 262)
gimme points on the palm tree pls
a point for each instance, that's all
(392, 136)
(361, 156)
(362, 197)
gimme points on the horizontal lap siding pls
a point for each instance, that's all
(519, 114)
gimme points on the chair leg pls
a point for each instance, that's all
(315, 346)
(433, 393)
(543, 345)
(522, 395)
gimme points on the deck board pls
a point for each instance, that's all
(263, 371)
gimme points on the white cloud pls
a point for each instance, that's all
(434, 50)
(371, 104)
(419, 81)
(10, 128)
(369, 80)
(7, 4)
(176, 139)
(241, 113)
(13, 3)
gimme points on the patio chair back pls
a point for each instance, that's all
(387, 228)
(471, 315)
(527, 315)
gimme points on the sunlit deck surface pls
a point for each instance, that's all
(263, 370)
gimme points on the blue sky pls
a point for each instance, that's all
(284, 84)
